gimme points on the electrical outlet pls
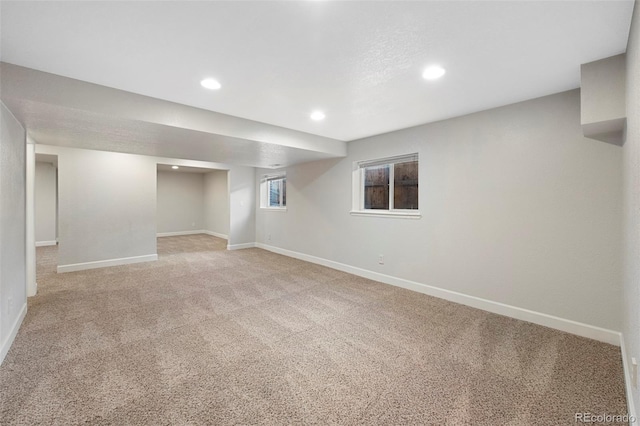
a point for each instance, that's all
(10, 306)
(381, 259)
(269, 237)
(634, 373)
(193, 224)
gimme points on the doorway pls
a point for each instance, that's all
(191, 201)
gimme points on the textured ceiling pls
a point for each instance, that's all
(360, 62)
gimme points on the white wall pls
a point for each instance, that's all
(13, 294)
(216, 207)
(45, 203)
(242, 205)
(180, 202)
(107, 207)
(603, 96)
(517, 207)
(631, 222)
(602, 89)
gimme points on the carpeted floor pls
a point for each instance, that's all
(207, 336)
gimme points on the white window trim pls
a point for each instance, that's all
(400, 214)
(264, 192)
(357, 197)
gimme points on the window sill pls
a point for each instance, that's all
(274, 209)
(382, 213)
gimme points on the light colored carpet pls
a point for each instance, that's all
(206, 336)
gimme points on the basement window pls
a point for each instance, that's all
(273, 192)
(386, 187)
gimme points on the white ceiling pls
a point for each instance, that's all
(360, 62)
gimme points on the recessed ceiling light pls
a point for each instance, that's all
(175, 167)
(317, 115)
(210, 83)
(433, 72)
(275, 165)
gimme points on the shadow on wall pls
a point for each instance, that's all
(312, 171)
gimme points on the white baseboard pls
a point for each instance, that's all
(45, 243)
(199, 231)
(241, 246)
(178, 233)
(626, 365)
(4, 349)
(105, 263)
(569, 326)
(216, 234)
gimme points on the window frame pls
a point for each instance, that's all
(265, 195)
(358, 191)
